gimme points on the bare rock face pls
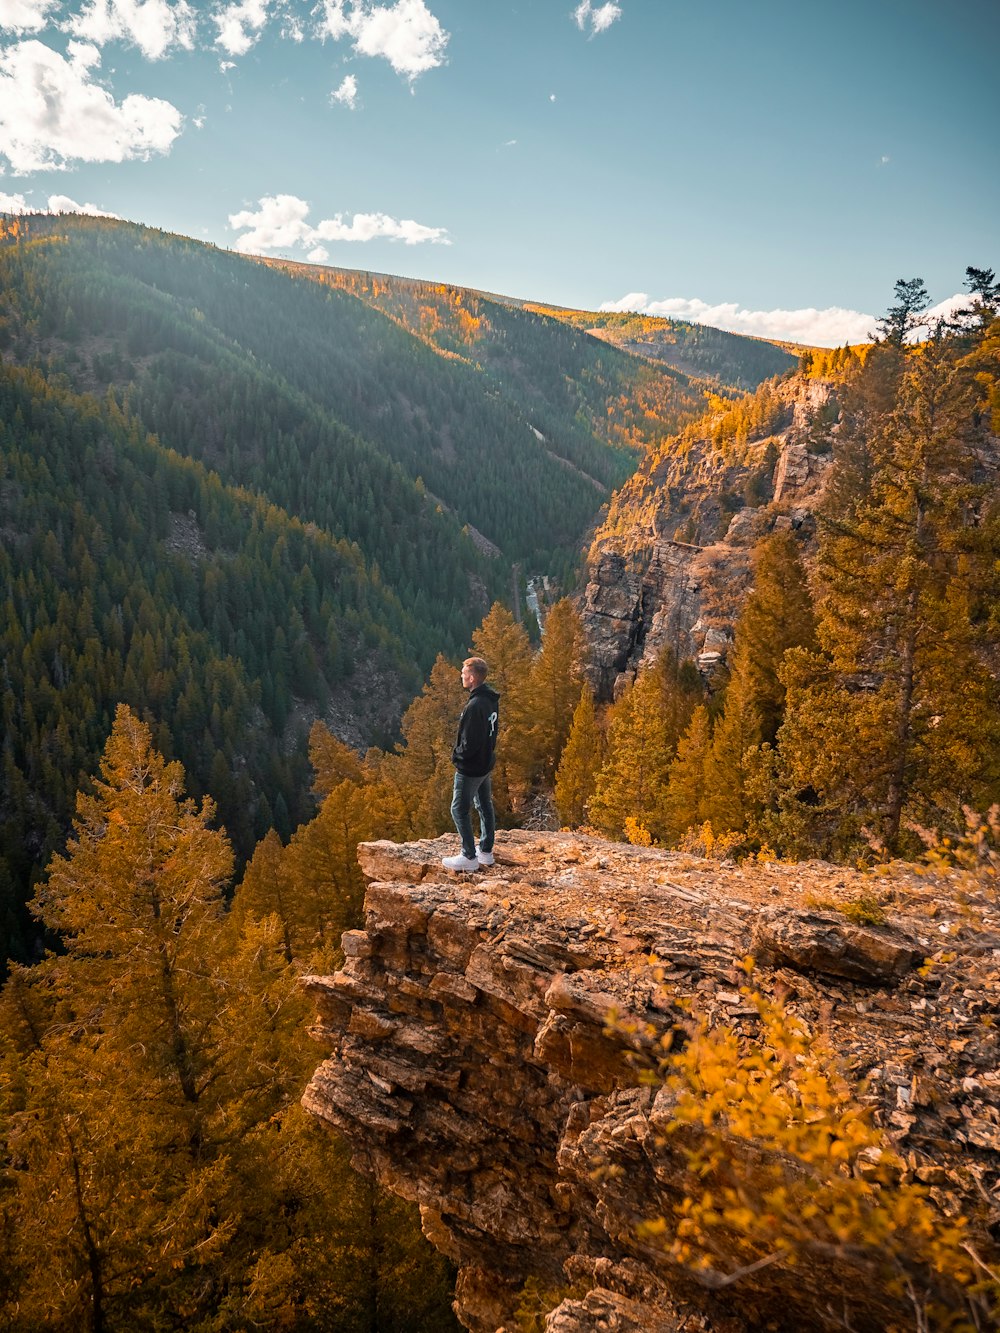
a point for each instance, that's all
(675, 550)
(487, 1038)
(613, 609)
(672, 601)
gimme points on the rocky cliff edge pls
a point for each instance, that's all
(488, 1034)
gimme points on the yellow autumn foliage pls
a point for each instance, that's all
(786, 1165)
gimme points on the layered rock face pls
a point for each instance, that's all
(671, 566)
(488, 1035)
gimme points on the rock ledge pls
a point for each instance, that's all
(472, 1067)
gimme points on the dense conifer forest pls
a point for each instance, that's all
(543, 361)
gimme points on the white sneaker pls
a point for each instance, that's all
(484, 858)
(460, 862)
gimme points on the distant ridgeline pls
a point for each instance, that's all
(730, 359)
(238, 500)
(578, 391)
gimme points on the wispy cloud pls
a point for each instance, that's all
(57, 203)
(280, 223)
(25, 15)
(831, 327)
(240, 25)
(154, 26)
(53, 112)
(405, 33)
(598, 18)
(347, 93)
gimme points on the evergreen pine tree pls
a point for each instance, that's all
(686, 782)
(582, 757)
(896, 719)
(554, 687)
(645, 726)
(777, 616)
(117, 1084)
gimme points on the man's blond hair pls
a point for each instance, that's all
(478, 667)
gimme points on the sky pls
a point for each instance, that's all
(771, 167)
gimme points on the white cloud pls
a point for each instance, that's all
(947, 308)
(369, 226)
(598, 17)
(818, 328)
(58, 203)
(405, 33)
(25, 15)
(318, 255)
(347, 93)
(831, 327)
(279, 223)
(62, 203)
(53, 112)
(292, 28)
(154, 26)
(240, 25)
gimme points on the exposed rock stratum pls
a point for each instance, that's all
(487, 1037)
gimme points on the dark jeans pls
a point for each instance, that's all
(478, 790)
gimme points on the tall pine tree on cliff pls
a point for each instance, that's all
(119, 1102)
(582, 757)
(556, 677)
(896, 719)
(778, 615)
(688, 777)
(645, 725)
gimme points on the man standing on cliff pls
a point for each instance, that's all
(473, 757)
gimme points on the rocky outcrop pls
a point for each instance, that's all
(672, 561)
(490, 1042)
(634, 612)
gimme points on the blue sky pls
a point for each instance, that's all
(769, 167)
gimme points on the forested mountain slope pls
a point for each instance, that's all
(238, 498)
(304, 393)
(133, 575)
(576, 389)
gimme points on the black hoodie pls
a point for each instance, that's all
(475, 747)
